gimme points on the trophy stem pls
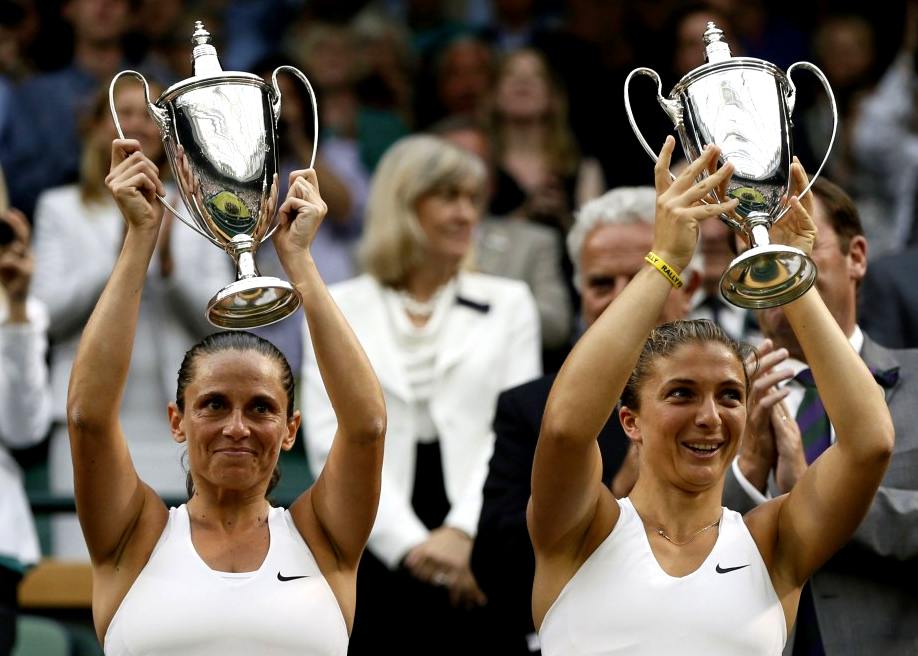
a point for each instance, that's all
(758, 234)
(246, 265)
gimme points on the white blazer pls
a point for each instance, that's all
(489, 342)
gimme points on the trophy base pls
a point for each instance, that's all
(252, 302)
(767, 276)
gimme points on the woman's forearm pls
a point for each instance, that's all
(593, 376)
(349, 378)
(101, 366)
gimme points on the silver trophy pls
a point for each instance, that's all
(744, 105)
(219, 130)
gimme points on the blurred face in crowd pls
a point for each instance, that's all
(464, 77)
(689, 48)
(97, 21)
(838, 276)
(523, 88)
(845, 49)
(610, 257)
(330, 59)
(475, 142)
(448, 216)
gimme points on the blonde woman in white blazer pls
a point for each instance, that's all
(444, 342)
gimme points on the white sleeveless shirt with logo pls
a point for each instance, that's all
(621, 601)
(179, 606)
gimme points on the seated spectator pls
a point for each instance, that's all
(25, 405)
(607, 244)
(40, 147)
(515, 248)
(78, 234)
(444, 342)
(539, 173)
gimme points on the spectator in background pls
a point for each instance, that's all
(885, 146)
(444, 342)
(515, 248)
(355, 130)
(539, 172)
(40, 145)
(25, 404)
(78, 234)
(607, 243)
(844, 48)
(464, 75)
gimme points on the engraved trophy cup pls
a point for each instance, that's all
(744, 105)
(219, 130)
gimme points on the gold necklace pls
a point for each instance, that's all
(692, 537)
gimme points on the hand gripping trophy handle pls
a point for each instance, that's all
(790, 101)
(297, 73)
(161, 118)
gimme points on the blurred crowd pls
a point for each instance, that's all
(531, 88)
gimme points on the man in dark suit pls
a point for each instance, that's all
(607, 244)
(864, 600)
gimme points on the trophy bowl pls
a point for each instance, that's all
(219, 131)
(744, 105)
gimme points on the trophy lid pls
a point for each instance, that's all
(715, 48)
(204, 59)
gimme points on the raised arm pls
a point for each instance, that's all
(566, 476)
(828, 502)
(110, 497)
(345, 496)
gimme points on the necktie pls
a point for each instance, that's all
(815, 431)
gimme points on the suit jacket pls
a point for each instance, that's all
(489, 342)
(502, 558)
(519, 249)
(889, 300)
(866, 596)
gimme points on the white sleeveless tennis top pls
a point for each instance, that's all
(178, 606)
(621, 601)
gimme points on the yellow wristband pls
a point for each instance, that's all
(654, 260)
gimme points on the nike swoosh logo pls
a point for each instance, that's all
(281, 577)
(718, 569)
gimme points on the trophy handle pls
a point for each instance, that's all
(672, 108)
(315, 115)
(312, 97)
(790, 99)
(161, 118)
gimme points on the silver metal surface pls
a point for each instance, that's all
(744, 105)
(219, 131)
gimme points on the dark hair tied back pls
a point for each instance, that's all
(665, 339)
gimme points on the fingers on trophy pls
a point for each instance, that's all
(743, 105)
(219, 130)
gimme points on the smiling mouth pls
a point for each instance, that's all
(703, 449)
